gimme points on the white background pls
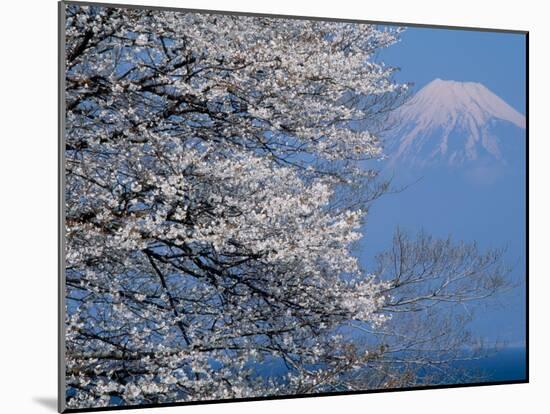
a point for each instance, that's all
(28, 168)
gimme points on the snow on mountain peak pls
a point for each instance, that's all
(443, 98)
(452, 120)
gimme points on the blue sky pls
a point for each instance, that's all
(497, 60)
(445, 203)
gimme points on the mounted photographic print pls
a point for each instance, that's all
(257, 207)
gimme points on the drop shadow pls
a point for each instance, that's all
(48, 402)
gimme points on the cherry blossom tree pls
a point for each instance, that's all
(214, 191)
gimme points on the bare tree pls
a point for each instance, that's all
(435, 287)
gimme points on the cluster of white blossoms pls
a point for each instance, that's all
(204, 155)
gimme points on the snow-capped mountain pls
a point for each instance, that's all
(455, 123)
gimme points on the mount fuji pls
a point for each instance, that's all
(455, 156)
(450, 123)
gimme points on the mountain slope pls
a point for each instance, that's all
(455, 123)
